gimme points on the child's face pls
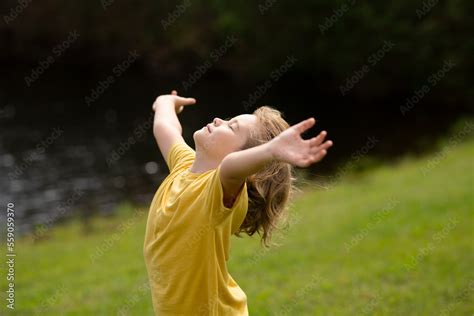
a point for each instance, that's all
(221, 137)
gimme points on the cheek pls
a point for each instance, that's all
(226, 141)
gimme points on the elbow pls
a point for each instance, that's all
(159, 127)
(156, 129)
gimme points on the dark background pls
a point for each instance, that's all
(55, 56)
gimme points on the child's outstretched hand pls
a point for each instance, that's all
(289, 147)
(178, 101)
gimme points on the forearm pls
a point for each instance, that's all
(241, 164)
(165, 113)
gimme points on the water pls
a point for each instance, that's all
(60, 157)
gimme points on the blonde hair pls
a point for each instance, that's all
(269, 189)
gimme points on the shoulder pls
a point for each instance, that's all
(180, 155)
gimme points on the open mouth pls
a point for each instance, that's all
(208, 128)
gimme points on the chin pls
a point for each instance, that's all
(197, 136)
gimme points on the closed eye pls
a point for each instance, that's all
(231, 124)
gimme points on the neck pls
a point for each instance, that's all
(202, 163)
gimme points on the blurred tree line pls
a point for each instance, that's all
(332, 41)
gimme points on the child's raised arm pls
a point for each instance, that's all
(288, 147)
(166, 126)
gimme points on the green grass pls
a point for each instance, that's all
(372, 244)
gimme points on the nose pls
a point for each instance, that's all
(217, 121)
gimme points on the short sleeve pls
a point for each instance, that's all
(216, 200)
(180, 155)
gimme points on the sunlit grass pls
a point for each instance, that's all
(371, 244)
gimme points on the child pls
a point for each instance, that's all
(238, 180)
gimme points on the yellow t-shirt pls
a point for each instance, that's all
(187, 242)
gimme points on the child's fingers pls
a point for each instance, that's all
(312, 158)
(315, 157)
(320, 155)
(316, 141)
(303, 126)
(322, 147)
(186, 101)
